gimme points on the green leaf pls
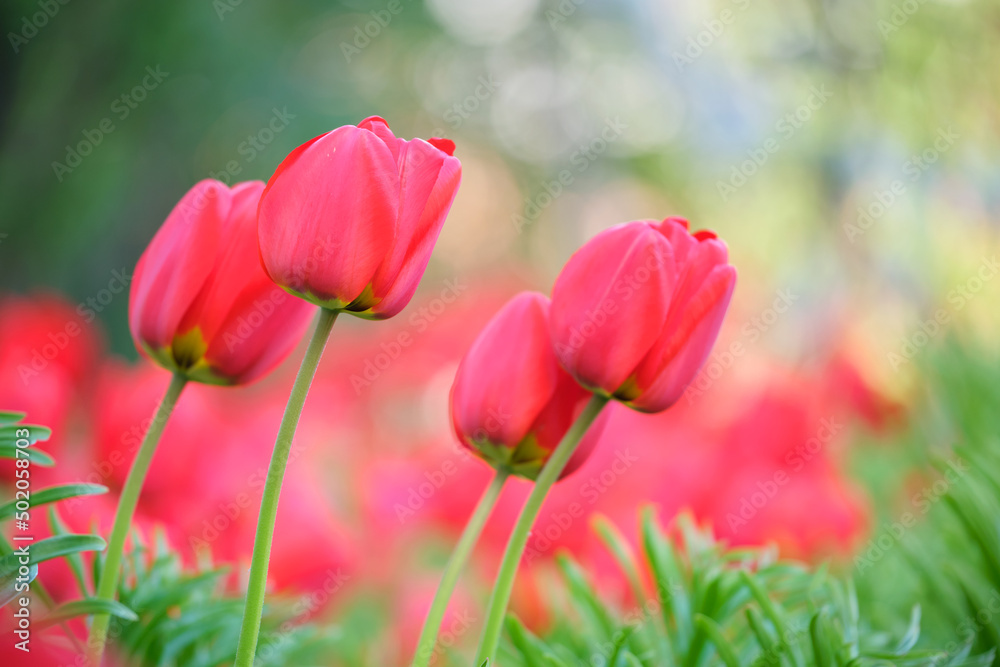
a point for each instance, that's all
(909, 640)
(585, 597)
(822, 656)
(722, 645)
(9, 583)
(75, 560)
(53, 494)
(53, 547)
(8, 417)
(86, 607)
(36, 456)
(529, 646)
(9, 433)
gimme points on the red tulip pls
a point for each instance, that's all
(200, 304)
(349, 219)
(636, 310)
(511, 402)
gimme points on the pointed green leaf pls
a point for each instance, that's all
(36, 456)
(85, 607)
(53, 547)
(53, 494)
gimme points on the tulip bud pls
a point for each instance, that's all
(511, 402)
(200, 304)
(349, 219)
(636, 310)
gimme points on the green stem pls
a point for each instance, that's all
(522, 530)
(110, 572)
(257, 586)
(428, 637)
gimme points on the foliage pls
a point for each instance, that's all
(714, 605)
(191, 617)
(923, 591)
(17, 442)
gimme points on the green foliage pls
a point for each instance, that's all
(930, 595)
(711, 605)
(924, 591)
(17, 442)
(192, 617)
(951, 557)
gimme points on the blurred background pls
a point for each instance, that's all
(844, 149)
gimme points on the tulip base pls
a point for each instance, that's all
(522, 530)
(257, 586)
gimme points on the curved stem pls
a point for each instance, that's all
(111, 571)
(428, 637)
(522, 530)
(257, 586)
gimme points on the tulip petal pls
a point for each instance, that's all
(590, 440)
(507, 377)
(177, 263)
(567, 402)
(610, 303)
(235, 267)
(688, 337)
(428, 183)
(327, 217)
(251, 323)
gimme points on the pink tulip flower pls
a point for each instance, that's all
(511, 402)
(349, 219)
(200, 303)
(636, 310)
